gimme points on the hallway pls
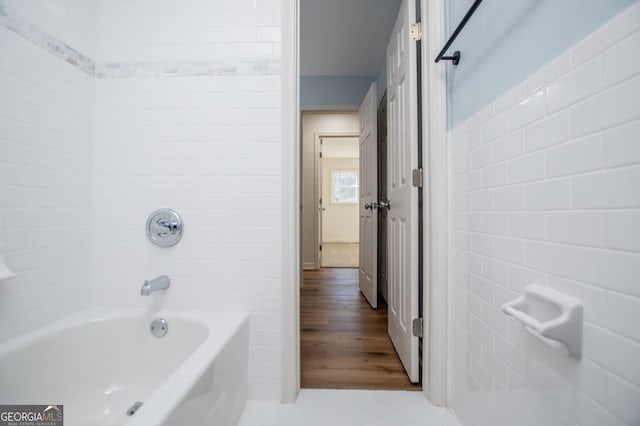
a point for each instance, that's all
(344, 343)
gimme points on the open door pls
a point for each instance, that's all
(402, 206)
(367, 278)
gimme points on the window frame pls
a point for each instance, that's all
(332, 186)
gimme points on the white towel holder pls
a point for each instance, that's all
(5, 272)
(551, 316)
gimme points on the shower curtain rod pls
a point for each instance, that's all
(455, 58)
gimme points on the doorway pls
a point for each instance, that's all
(434, 155)
(338, 204)
(399, 334)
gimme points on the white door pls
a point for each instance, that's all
(367, 278)
(402, 215)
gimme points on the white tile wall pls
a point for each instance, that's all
(46, 130)
(554, 200)
(206, 146)
(200, 30)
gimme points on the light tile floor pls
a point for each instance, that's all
(316, 407)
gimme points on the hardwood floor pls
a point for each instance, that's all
(343, 342)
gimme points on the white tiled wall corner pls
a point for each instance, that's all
(544, 188)
(206, 146)
(46, 130)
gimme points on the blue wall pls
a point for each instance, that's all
(508, 40)
(333, 91)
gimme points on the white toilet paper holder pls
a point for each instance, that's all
(551, 316)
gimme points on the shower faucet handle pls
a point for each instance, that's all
(164, 227)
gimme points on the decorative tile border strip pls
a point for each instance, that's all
(46, 41)
(188, 68)
(56, 47)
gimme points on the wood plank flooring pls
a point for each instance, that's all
(343, 342)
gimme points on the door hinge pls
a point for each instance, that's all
(320, 247)
(320, 154)
(415, 31)
(417, 327)
(417, 178)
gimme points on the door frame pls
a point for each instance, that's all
(317, 165)
(435, 377)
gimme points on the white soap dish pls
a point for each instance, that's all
(553, 317)
(5, 272)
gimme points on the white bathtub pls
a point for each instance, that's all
(98, 363)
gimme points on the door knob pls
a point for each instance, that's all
(385, 204)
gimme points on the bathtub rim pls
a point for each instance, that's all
(221, 327)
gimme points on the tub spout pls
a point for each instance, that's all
(158, 283)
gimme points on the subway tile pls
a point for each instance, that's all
(509, 250)
(594, 298)
(525, 169)
(622, 315)
(613, 352)
(458, 146)
(622, 145)
(482, 332)
(508, 146)
(474, 180)
(519, 277)
(587, 412)
(623, 230)
(548, 132)
(513, 356)
(481, 157)
(608, 189)
(509, 198)
(527, 110)
(495, 128)
(503, 295)
(622, 399)
(493, 176)
(608, 269)
(620, 62)
(549, 195)
(583, 374)
(482, 200)
(552, 258)
(482, 288)
(530, 225)
(494, 366)
(578, 228)
(621, 103)
(482, 244)
(575, 86)
(495, 270)
(585, 117)
(494, 223)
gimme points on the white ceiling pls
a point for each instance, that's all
(345, 37)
